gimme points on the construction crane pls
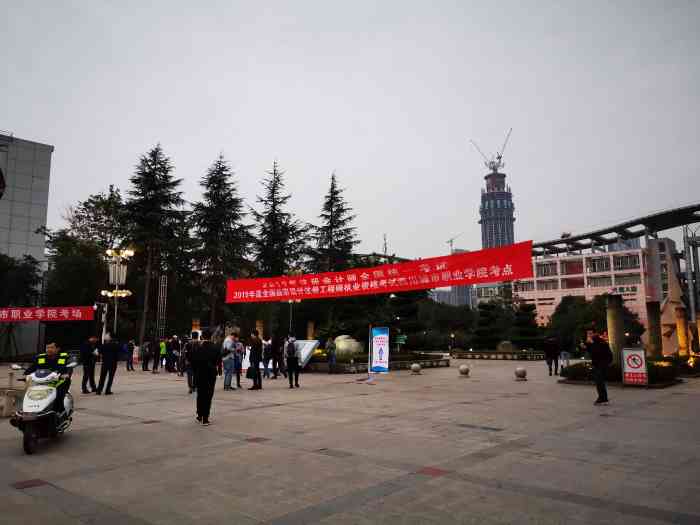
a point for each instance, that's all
(496, 162)
(451, 242)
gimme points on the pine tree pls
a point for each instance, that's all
(222, 240)
(335, 237)
(281, 240)
(153, 213)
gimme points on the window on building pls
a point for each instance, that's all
(572, 282)
(600, 281)
(546, 269)
(626, 262)
(598, 264)
(632, 278)
(549, 284)
(524, 286)
(574, 267)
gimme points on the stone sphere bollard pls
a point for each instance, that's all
(520, 374)
(463, 371)
(415, 368)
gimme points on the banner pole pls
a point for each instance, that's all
(369, 353)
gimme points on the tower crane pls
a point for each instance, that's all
(496, 162)
(451, 242)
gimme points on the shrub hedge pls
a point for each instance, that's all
(660, 371)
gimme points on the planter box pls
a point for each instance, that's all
(519, 356)
(620, 385)
(361, 368)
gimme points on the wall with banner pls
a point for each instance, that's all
(485, 266)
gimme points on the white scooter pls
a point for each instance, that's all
(38, 417)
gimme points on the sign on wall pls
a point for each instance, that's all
(47, 313)
(380, 350)
(485, 266)
(634, 367)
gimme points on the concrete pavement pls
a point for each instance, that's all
(433, 448)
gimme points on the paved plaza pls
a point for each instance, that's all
(433, 448)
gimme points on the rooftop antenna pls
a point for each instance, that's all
(496, 162)
(451, 242)
(386, 249)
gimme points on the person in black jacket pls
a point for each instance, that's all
(551, 354)
(87, 358)
(205, 361)
(601, 358)
(256, 356)
(110, 356)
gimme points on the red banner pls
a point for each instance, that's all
(485, 266)
(46, 313)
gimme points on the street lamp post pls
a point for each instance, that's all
(117, 277)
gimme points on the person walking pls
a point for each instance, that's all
(190, 348)
(601, 358)
(145, 355)
(130, 356)
(293, 361)
(267, 357)
(205, 362)
(256, 355)
(229, 361)
(238, 356)
(330, 351)
(109, 352)
(88, 355)
(278, 357)
(551, 354)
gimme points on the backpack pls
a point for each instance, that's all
(291, 349)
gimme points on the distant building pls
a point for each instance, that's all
(628, 244)
(496, 211)
(25, 169)
(637, 274)
(454, 295)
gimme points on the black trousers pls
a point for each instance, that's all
(205, 393)
(278, 365)
(130, 361)
(190, 379)
(599, 375)
(144, 362)
(553, 361)
(108, 368)
(257, 376)
(89, 374)
(156, 360)
(293, 371)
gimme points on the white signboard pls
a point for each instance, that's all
(634, 367)
(380, 350)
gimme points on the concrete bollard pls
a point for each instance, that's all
(463, 371)
(415, 369)
(520, 374)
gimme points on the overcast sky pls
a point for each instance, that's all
(603, 99)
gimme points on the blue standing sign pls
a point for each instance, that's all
(380, 350)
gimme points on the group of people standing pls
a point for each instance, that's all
(205, 358)
(108, 352)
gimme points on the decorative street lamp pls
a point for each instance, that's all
(117, 260)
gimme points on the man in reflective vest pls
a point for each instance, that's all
(56, 361)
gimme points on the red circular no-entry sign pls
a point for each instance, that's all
(634, 361)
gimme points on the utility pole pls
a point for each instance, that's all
(689, 274)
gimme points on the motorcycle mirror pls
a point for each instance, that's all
(15, 366)
(72, 364)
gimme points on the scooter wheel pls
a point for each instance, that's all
(29, 440)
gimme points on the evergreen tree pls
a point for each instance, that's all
(222, 240)
(100, 219)
(19, 280)
(152, 209)
(335, 237)
(281, 240)
(526, 332)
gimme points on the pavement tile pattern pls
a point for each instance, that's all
(429, 448)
